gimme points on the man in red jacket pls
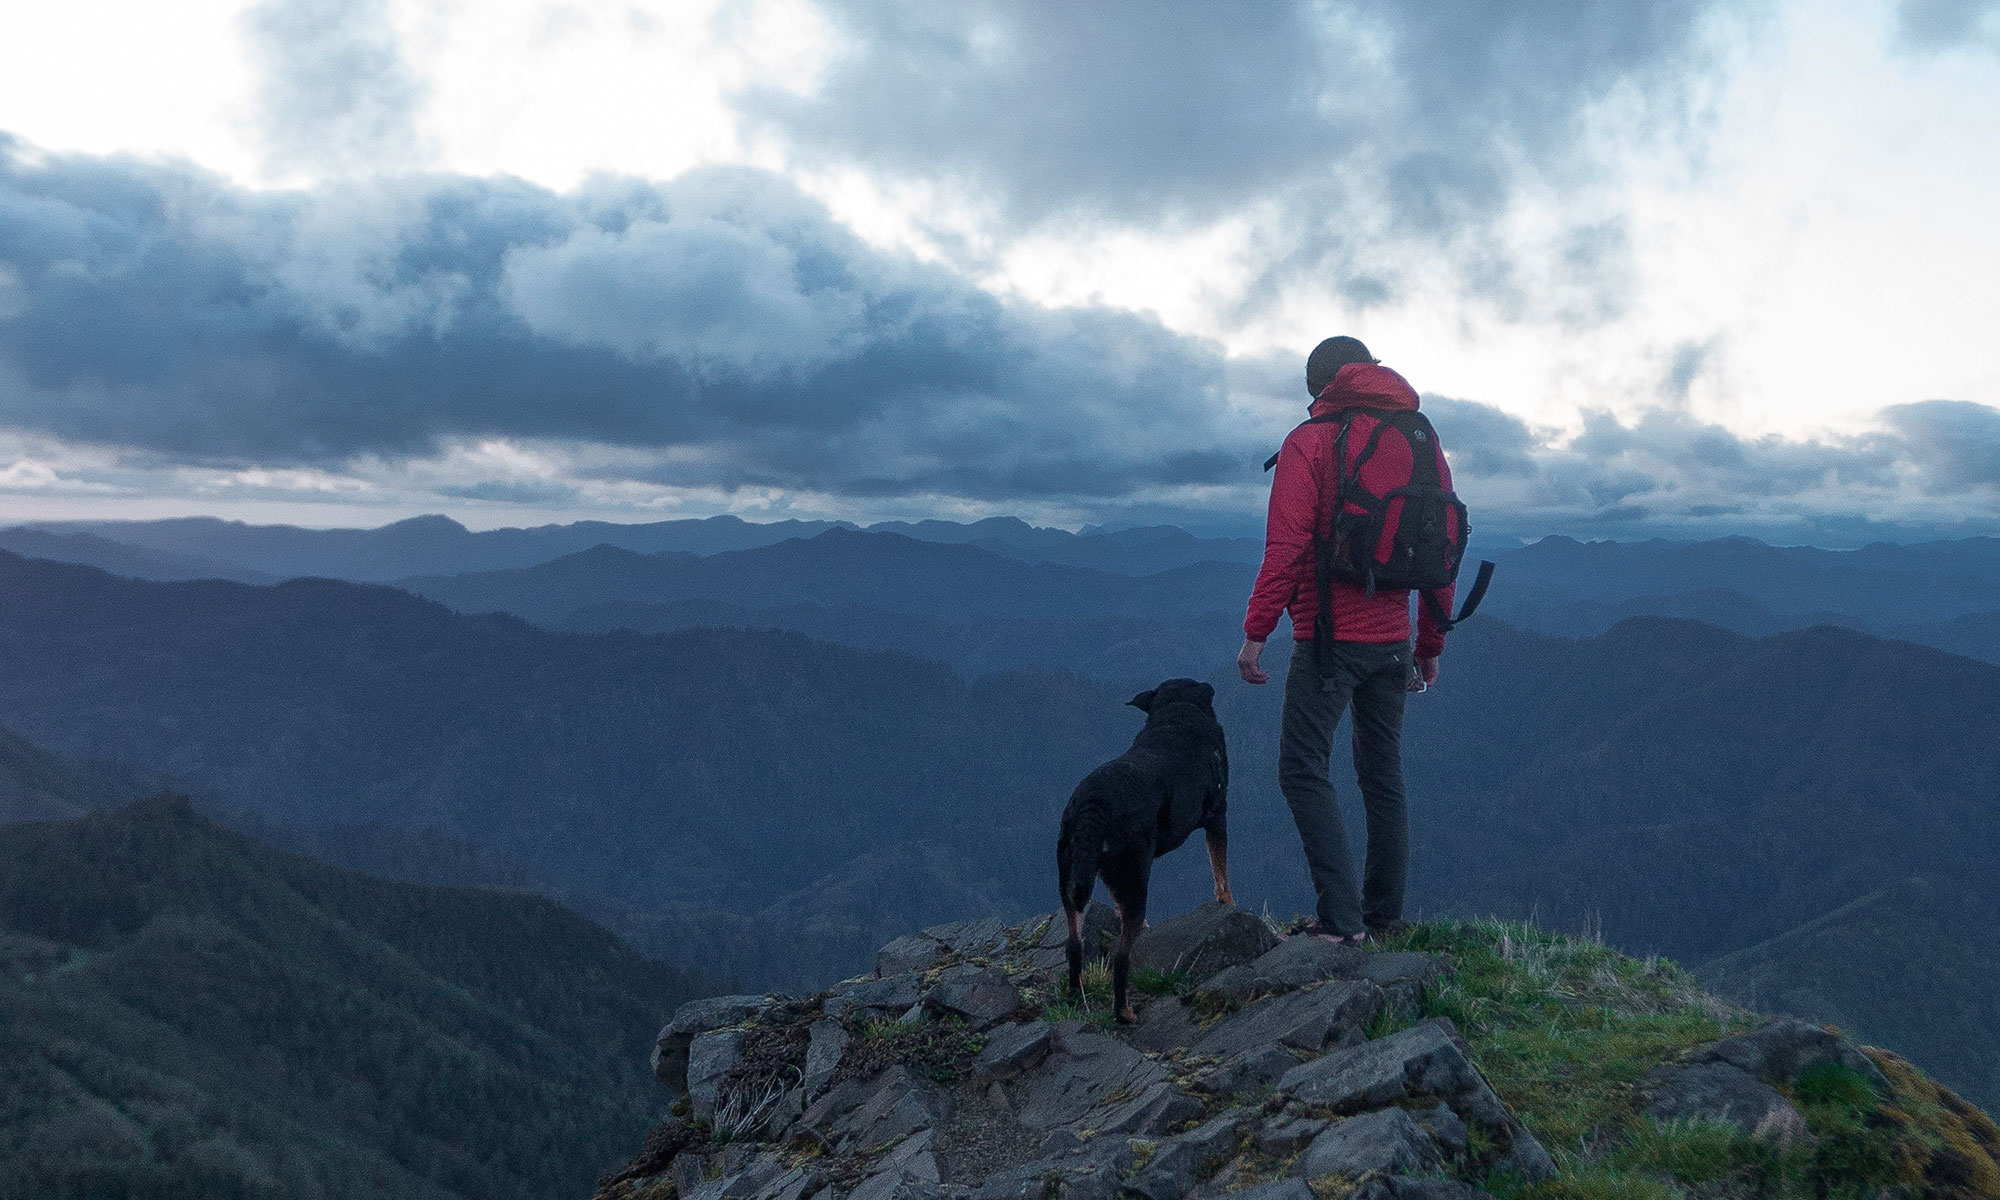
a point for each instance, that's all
(1370, 664)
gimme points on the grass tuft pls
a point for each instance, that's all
(1151, 981)
(1689, 1151)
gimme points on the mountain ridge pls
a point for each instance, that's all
(708, 791)
(193, 1013)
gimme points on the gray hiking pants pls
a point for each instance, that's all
(1372, 678)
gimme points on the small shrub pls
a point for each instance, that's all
(1836, 1086)
(941, 1048)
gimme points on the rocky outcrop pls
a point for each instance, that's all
(1738, 1079)
(958, 1070)
(670, 1049)
(1272, 1068)
(1426, 1063)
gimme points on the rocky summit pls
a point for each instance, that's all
(1462, 1060)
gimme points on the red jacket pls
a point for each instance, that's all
(1301, 501)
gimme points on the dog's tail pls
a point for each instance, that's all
(1078, 868)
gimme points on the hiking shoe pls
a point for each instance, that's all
(1315, 929)
(1394, 929)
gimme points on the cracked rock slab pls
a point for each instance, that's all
(1782, 1049)
(1329, 1014)
(1295, 962)
(911, 952)
(1285, 1136)
(982, 996)
(1179, 1163)
(910, 1169)
(1210, 939)
(875, 998)
(1717, 1091)
(899, 1105)
(1405, 977)
(1164, 1025)
(1388, 1139)
(1095, 1082)
(826, 1045)
(710, 1055)
(1246, 1074)
(1428, 1061)
(670, 1048)
(979, 938)
(1013, 1049)
(1405, 1187)
(1283, 1189)
(1073, 1170)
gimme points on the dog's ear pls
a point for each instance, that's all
(1205, 692)
(1143, 701)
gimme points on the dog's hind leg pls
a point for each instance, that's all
(1075, 949)
(1130, 893)
(1218, 863)
(1078, 846)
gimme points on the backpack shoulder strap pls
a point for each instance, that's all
(1424, 448)
(1384, 419)
(1327, 419)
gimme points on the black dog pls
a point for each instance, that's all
(1140, 805)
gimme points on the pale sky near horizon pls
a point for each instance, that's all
(1693, 268)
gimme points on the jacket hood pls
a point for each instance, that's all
(1365, 385)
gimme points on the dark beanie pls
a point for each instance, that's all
(1328, 357)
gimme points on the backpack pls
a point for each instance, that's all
(1393, 525)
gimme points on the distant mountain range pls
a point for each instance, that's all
(880, 570)
(986, 595)
(1883, 587)
(208, 548)
(190, 1013)
(770, 807)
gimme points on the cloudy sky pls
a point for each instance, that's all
(1679, 267)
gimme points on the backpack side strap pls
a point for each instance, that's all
(1439, 613)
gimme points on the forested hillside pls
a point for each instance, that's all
(772, 808)
(189, 1013)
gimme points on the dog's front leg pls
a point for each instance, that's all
(1218, 863)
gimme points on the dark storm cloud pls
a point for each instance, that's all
(726, 333)
(1958, 442)
(1484, 440)
(1665, 473)
(722, 321)
(334, 90)
(1360, 119)
(1677, 454)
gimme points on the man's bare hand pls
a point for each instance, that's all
(1426, 674)
(1246, 662)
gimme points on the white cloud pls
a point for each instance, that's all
(1772, 219)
